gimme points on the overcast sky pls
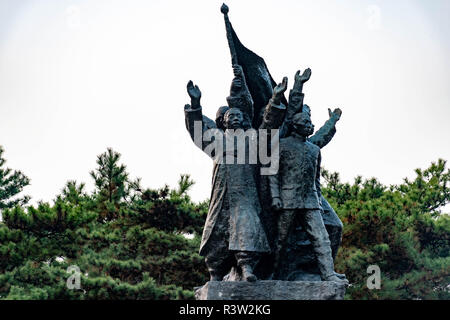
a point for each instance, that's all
(77, 77)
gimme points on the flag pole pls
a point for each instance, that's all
(224, 9)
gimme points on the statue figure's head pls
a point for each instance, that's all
(220, 115)
(234, 119)
(302, 125)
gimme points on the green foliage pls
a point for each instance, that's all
(111, 181)
(169, 210)
(132, 243)
(11, 184)
(399, 228)
(128, 244)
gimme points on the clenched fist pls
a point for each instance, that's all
(277, 204)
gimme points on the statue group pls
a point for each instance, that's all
(273, 224)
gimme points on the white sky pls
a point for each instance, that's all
(77, 77)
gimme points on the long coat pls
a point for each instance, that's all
(297, 182)
(237, 184)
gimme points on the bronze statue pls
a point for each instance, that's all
(267, 227)
(233, 235)
(296, 193)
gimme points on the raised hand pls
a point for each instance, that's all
(238, 80)
(336, 113)
(279, 90)
(195, 93)
(300, 78)
(238, 71)
(303, 77)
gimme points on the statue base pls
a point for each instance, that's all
(271, 290)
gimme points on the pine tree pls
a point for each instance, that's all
(143, 252)
(74, 192)
(111, 180)
(139, 255)
(11, 184)
(399, 228)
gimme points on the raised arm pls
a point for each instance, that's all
(324, 135)
(275, 111)
(296, 97)
(239, 89)
(194, 117)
